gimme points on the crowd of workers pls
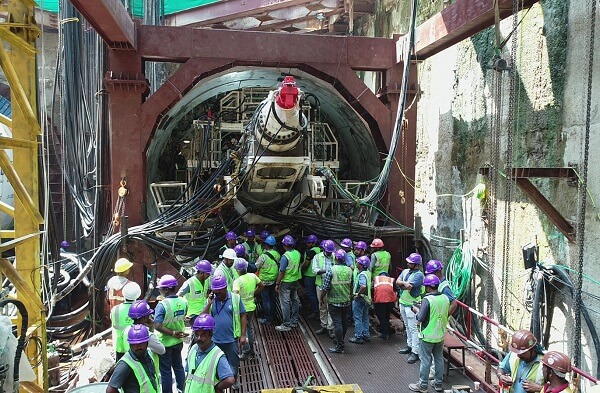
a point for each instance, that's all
(341, 284)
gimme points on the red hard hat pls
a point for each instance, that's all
(376, 243)
(557, 361)
(522, 341)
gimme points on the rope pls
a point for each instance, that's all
(583, 194)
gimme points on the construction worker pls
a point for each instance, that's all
(521, 370)
(119, 318)
(287, 285)
(248, 286)
(556, 365)
(267, 272)
(225, 268)
(347, 245)
(135, 372)
(362, 301)
(309, 277)
(432, 315)
(260, 241)
(207, 367)
(337, 291)
(64, 246)
(384, 300)
(250, 246)
(115, 284)
(410, 283)
(229, 314)
(360, 249)
(321, 264)
(140, 313)
(380, 258)
(435, 267)
(230, 242)
(195, 290)
(169, 322)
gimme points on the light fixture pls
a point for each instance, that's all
(186, 141)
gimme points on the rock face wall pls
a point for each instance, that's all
(464, 102)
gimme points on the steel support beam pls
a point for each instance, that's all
(110, 20)
(359, 53)
(457, 21)
(543, 172)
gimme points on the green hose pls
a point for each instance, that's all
(458, 271)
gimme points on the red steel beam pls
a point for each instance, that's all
(359, 53)
(110, 20)
(458, 21)
(223, 11)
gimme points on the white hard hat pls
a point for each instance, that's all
(229, 254)
(132, 291)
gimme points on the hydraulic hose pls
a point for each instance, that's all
(21, 341)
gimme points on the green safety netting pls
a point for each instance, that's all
(171, 6)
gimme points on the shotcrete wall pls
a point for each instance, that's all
(458, 109)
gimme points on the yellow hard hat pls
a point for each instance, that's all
(122, 265)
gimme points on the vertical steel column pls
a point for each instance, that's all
(19, 66)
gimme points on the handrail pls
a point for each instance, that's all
(489, 319)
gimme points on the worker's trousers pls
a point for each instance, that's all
(412, 332)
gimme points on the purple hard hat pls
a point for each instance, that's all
(218, 282)
(288, 240)
(340, 254)
(240, 250)
(361, 246)
(240, 264)
(204, 266)
(431, 280)
(167, 281)
(346, 243)
(364, 261)
(264, 234)
(414, 258)
(250, 233)
(64, 244)
(230, 236)
(328, 246)
(433, 266)
(204, 322)
(139, 309)
(138, 334)
(312, 239)
(270, 240)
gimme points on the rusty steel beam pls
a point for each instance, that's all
(223, 11)
(458, 21)
(110, 20)
(359, 53)
(545, 206)
(543, 172)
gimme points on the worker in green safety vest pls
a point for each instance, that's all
(435, 267)
(135, 372)
(521, 370)
(169, 322)
(248, 286)
(287, 285)
(207, 368)
(411, 287)
(380, 258)
(119, 318)
(432, 315)
(230, 242)
(267, 272)
(309, 277)
(361, 290)
(225, 268)
(251, 248)
(195, 290)
(321, 264)
(337, 291)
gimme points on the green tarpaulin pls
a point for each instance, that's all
(171, 6)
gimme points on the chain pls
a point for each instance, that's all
(583, 194)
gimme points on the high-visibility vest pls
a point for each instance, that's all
(438, 319)
(406, 297)
(175, 310)
(229, 273)
(202, 378)
(247, 286)
(237, 323)
(321, 266)
(534, 374)
(383, 290)
(196, 296)
(268, 270)
(115, 296)
(143, 379)
(292, 272)
(367, 275)
(443, 285)
(308, 272)
(382, 263)
(341, 285)
(119, 321)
